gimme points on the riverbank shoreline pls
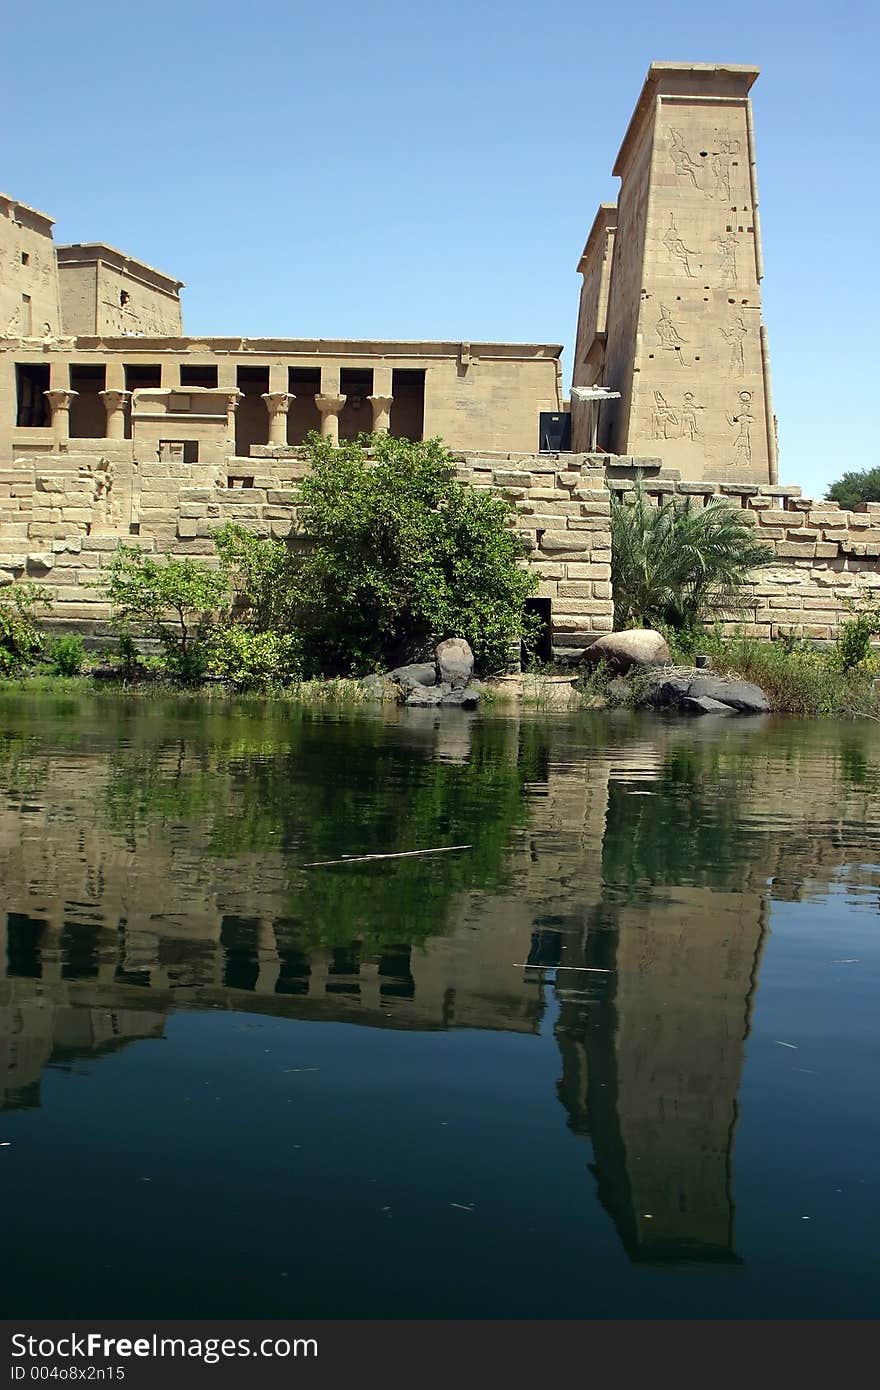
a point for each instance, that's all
(575, 691)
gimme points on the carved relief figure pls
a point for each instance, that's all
(676, 247)
(690, 428)
(742, 421)
(683, 164)
(663, 417)
(670, 338)
(727, 252)
(722, 159)
(736, 335)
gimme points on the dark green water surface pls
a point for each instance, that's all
(618, 1057)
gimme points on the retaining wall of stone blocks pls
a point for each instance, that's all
(828, 558)
(61, 520)
(63, 516)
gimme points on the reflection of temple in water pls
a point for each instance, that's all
(651, 967)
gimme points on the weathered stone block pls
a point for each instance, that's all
(563, 541)
(796, 549)
(585, 571)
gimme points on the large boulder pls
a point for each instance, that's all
(742, 696)
(418, 673)
(455, 662)
(623, 650)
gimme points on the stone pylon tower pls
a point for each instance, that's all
(683, 341)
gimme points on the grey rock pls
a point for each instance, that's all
(668, 691)
(419, 673)
(424, 696)
(702, 704)
(379, 688)
(455, 662)
(463, 698)
(623, 650)
(739, 695)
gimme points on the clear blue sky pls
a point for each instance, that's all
(394, 168)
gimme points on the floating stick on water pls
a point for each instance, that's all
(402, 854)
(587, 969)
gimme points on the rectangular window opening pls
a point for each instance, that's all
(204, 375)
(32, 408)
(179, 450)
(88, 418)
(407, 403)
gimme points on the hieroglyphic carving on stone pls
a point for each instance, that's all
(690, 428)
(676, 247)
(727, 245)
(736, 335)
(742, 422)
(663, 417)
(670, 338)
(722, 160)
(682, 162)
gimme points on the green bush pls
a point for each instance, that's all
(674, 565)
(250, 660)
(21, 644)
(854, 639)
(175, 601)
(263, 577)
(67, 655)
(856, 487)
(802, 680)
(398, 553)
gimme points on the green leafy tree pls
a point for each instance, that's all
(174, 601)
(675, 565)
(21, 643)
(263, 577)
(856, 487)
(399, 553)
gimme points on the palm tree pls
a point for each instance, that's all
(675, 564)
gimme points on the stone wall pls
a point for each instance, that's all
(827, 557)
(62, 517)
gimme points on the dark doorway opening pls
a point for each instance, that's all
(303, 415)
(88, 418)
(192, 374)
(252, 417)
(356, 417)
(540, 648)
(32, 408)
(140, 377)
(408, 403)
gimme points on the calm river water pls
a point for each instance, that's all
(617, 1057)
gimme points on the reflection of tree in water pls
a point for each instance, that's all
(314, 798)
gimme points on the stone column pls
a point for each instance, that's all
(330, 406)
(381, 413)
(60, 403)
(232, 400)
(278, 403)
(114, 404)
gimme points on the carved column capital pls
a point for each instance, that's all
(381, 413)
(114, 404)
(278, 402)
(232, 401)
(60, 399)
